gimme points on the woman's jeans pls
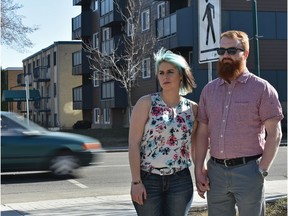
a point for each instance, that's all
(169, 195)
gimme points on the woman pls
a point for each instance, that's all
(160, 141)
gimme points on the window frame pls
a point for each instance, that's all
(96, 115)
(145, 20)
(146, 69)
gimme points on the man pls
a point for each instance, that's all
(239, 120)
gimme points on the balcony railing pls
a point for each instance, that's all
(171, 32)
(43, 105)
(41, 74)
(113, 95)
(167, 26)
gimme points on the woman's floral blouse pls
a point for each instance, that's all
(167, 136)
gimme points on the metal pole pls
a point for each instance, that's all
(209, 71)
(256, 42)
(27, 96)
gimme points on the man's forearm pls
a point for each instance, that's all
(270, 149)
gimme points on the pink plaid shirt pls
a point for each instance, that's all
(235, 114)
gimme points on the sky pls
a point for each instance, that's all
(54, 19)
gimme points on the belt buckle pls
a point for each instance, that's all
(225, 162)
(163, 172)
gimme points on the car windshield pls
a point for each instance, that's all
(17, 121)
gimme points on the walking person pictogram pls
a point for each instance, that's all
(208, 12)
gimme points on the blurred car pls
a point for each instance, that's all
(26, 146)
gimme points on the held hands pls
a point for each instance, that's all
(202, 183)
(138, 193)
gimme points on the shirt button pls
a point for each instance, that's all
(221, 135)
(223, 120)
(221, 151)
(226, 106)
(229, 92)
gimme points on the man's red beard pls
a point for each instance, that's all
(229, 70)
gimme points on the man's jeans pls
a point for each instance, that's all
(169, 195)
(242, 185)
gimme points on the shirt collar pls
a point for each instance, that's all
(242, 79)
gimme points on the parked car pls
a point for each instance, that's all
(82, 124)
(26, 146)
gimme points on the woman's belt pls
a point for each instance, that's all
(163, 171)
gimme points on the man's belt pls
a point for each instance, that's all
(235, 161)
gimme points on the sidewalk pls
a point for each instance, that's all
(108, 205)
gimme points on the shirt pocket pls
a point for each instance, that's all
(245, 112)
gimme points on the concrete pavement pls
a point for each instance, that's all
(108, 205)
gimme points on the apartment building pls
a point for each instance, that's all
(9, 81)
(50, 72)
(174, 24)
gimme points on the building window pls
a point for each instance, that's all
(106, 116)
(96, 40)
(145, 20)
(77, 58)
(107, 42)
(54, 58)
(96, 79)
(161, 10)
(146, 70)
(106, 75)
(55, 90)
(130, 27)
(77, 94)
(94, 5)
(97, 115)
(107, 90)
(48, 60)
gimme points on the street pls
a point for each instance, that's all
(110, 177)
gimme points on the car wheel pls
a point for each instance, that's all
(64, 164)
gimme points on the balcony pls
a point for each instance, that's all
(113, 95)
(41, 74)
(110, 19)
(171, 32)
(21, 80)
(82, 25)
(43, 105)
(81, 92)
(76, 27)
(80, 2)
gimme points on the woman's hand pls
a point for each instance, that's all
(202, 183)
(138, 193)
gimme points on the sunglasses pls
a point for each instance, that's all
(230, 50)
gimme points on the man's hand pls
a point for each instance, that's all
(202, 183)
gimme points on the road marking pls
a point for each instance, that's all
(77, 183)
(107, 166)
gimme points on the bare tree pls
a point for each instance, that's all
(13, 31)
(122, 59)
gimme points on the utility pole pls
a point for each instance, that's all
(256, 42)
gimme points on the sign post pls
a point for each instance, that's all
(209, 23)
